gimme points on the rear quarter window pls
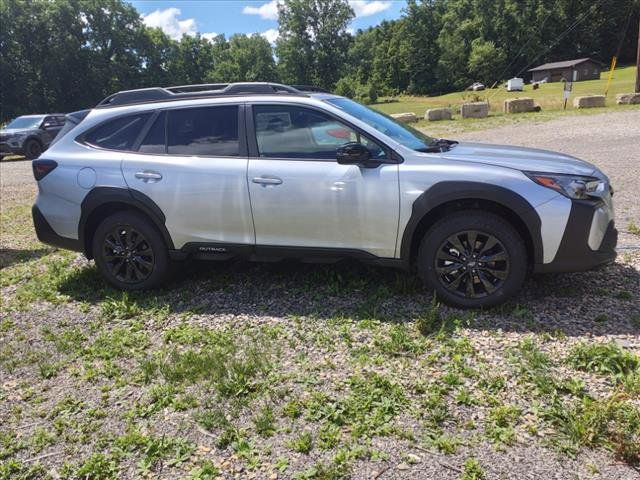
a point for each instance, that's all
(118, 134)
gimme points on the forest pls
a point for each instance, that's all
(65, 55)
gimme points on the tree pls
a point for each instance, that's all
(313, 41)
(485, 61)
(246, 59)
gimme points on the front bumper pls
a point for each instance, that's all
(6, 149)
(574, 253)
(47, 235)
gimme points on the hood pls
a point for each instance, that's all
(10, 132)
(520, 158)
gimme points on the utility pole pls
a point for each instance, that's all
(638, 63)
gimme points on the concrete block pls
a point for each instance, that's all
(475, 110)
(589, 101)
(436, 114)
(406, 117)
(628, 98)
(519, 105)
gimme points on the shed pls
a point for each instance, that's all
(569, 70)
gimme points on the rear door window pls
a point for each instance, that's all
(206, 131)
(118, 134)
(155, 139)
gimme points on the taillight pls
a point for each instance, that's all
(41, 168)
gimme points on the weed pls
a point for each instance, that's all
(399, 342)
(264, 421)
(447, 444)
(612, 422)
(633, 228)
(120, 308)
(500, 425)
(206, 470)
(369, 408)
(98, 467)
(292, 409)
(604, 359)
(15, 470)
(328, 436)
(235, 369)
(472, 470)
(302, 444)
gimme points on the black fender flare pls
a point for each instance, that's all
(451, 191)
(100, 196)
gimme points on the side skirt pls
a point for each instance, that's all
(274, 253)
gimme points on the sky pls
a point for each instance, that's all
(213, 17)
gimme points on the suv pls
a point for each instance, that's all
(267, 171)
(30, 135)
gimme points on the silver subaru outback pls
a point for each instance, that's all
(268, 171)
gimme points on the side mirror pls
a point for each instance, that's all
(46, 125)
(352, 153)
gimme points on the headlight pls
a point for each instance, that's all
(17, 138)
(573, 186)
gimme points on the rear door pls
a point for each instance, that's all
(192, 162)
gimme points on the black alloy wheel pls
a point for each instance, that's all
(128, 255)
(130, 251)
(473, 259)
(472, 264)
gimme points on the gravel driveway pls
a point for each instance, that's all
(288, 370)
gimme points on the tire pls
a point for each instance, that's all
(497, 271)
(130, 252)
(32, 149)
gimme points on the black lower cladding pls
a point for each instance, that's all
(47, 235)
(574, 253)
(227, 251)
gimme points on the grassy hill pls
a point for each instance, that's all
(548, 96)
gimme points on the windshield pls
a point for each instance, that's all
(403, 134)
(25, 122)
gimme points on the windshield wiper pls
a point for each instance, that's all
(439, 145)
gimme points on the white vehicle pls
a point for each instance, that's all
(257, 170)
(476, 87)
(515, 85)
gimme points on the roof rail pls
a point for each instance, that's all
(182, 92)
(310, 89)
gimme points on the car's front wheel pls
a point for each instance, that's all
(473, 259)
(130, 252)
(32, 149)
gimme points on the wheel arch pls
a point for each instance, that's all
(447, 197)
(104, 201)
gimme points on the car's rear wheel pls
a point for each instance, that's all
(32, 149)
(130, 252)
(473, 259)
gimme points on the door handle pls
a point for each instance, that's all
(148, 176)
(264, 181)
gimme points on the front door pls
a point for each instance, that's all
(300, 195)
(192, 163)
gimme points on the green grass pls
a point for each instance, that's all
(213, 375)
(549, 96)
(604, 359)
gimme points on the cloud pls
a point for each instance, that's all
(364, 8)
(167, 20)
(267, 11)
(209, 35)
(271, 35)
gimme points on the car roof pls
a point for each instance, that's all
(205, 90)
(36, 115)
